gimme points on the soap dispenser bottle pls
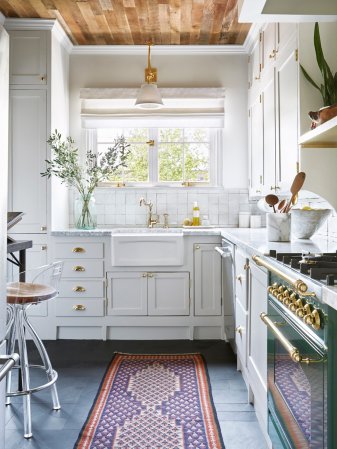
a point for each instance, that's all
(196, 214)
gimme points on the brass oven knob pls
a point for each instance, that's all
(316, 324)
(308, 319)
(280, 297)
(300, 308)
(281, 289)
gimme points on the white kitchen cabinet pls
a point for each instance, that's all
(207, 280)
(273, 116)
(81, 292)
(127, 293)
(169, 293)
(257, 341)
(241, 277)
(256, 146)
(28, 57)
(27, 138)
(254, 68)
(241, 328)
(287, 88)
(148, 293)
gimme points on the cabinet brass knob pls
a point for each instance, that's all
(78, 268)
(197, 247)
(144, 275)
(78, 249)
(150, 275)
(246, 266)
(79, 307)
(79, 289)
(239, 278)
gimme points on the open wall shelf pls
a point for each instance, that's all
(324, 136)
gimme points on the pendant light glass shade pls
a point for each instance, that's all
(149, 97)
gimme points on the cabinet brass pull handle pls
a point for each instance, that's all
(293, 352)
(78, 268)
(79, 307)
(78, 249)
(79, 289)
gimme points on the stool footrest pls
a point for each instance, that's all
(54, 375)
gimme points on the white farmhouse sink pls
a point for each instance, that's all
(136, 249)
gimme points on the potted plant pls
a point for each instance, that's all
(327, 88)
(84, 178)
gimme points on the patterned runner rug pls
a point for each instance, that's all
(153, 402)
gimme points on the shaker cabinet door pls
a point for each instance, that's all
(28, 151)
(127, 293)
(28, 57)
(169, 293)
(207, 280)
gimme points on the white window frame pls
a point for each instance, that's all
(215, 163)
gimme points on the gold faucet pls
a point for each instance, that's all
(152, 219)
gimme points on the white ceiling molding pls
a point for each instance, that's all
(54, 25)
(158, 50)
(166, 92)
(251, 37)
(41, 25)
(2, 18)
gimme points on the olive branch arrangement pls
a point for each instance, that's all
(97, 167)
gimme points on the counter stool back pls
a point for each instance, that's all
(31, 288)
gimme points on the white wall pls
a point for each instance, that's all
(227, 71)
(4, 83)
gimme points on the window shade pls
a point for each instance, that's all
(185, 107)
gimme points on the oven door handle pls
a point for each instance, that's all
(293, 352)
(299, 286)
(223, 251)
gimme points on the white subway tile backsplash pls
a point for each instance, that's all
(121, 206)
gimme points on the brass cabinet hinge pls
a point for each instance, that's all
(296, 54)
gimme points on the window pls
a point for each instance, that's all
(165, 155)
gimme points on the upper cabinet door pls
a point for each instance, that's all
(269, 46)
(256, 146)
(28, 151)
(287, 82)
(269, 137)
(28, 57)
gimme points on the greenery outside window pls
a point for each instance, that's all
(168, 156)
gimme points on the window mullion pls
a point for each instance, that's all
(153, 156)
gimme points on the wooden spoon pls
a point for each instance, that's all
(281, 205)
(294, 200)
(271, 200)
(295, 188)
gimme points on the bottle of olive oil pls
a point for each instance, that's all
(196, 214)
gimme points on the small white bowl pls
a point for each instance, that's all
(304, 223)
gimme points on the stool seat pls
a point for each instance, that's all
(27, 293)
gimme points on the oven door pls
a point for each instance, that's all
(297, 391)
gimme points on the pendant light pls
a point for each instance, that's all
(149, 96)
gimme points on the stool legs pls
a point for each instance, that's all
(16, 329)
(45, 359)
(27, 416)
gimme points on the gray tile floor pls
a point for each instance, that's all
(81, 365)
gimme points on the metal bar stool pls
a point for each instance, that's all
(39, 285)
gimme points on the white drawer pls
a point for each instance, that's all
(241, 321)
(83, 268)
(241, 284)
(79, 288)
(79, 308)
(75, 250)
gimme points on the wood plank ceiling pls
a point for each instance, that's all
(134, 22)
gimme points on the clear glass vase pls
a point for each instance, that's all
(85, 212)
